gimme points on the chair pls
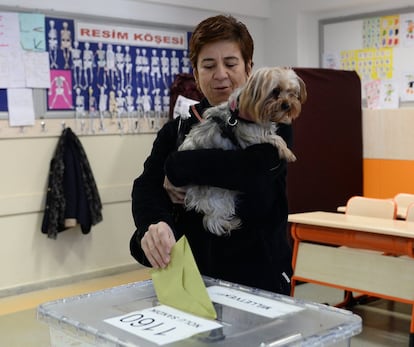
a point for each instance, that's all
(368, 207)
(410, 213)
(403, 200)
(371, 207)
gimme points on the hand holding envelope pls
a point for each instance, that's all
(180, 284)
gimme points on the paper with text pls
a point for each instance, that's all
(162, 324)
(250, 302)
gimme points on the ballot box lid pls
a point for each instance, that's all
(130, 315)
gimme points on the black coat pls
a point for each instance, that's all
(72, 195)
(258, 254)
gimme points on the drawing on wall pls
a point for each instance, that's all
(372, 92)
(390, 31)
(389, 94)
(60, 91)
(407, 30)
(371, 32)
(407, 86)
(330, 61)
(369, 63)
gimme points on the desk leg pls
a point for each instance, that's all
(294, 257)
(412, 328)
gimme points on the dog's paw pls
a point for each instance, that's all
(284, 151)
(220, 226)
(287, 154)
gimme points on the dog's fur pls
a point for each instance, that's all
(270, 96)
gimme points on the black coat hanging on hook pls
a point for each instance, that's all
(72, 195)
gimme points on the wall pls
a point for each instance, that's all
(29, 259)
(388, 164)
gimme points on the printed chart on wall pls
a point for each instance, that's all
(381, 51)
(92, 69)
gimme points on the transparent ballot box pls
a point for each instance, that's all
(130, 315)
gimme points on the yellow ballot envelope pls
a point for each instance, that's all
(180, 284)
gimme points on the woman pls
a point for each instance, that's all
(257, 254)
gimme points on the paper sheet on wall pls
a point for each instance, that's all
(330, 60)
(21, 107)
(12, 74)
(9, 30)
(390, 31)
(369, 63)
(372, 92)
(389, 94)
(407, 29)
(37, 69)
(32, 31)
(407, 86)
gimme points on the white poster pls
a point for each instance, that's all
(21, 107)
(389, 97)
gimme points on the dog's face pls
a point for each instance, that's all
(272, 94)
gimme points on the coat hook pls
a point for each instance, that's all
(63, 125)
(43, 126)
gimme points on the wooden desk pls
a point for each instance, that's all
(377, 260)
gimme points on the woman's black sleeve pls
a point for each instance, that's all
(150, 202)
(230, 169)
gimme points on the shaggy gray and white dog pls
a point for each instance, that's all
(270, 96)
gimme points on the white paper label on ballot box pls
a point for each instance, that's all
(250, 302)
(162, 324)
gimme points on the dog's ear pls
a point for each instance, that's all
(303, 93)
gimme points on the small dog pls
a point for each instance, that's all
(270, 96)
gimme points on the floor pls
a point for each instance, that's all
(384, 323)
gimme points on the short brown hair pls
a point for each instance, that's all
(221, 28)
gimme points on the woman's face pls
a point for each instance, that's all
(220, 70)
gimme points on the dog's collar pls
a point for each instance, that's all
(235, 114)
(226, 129)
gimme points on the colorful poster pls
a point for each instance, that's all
(371, 32)
(114, 69)
(372, 93)
(407, 86)
(390, 31)
(389, 97)
(60, 92)
(407, 30)
(369, 63)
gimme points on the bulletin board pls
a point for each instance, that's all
(87, 67)
(379, 47)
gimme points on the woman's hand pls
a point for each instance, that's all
(176, 194)
(157, 244)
